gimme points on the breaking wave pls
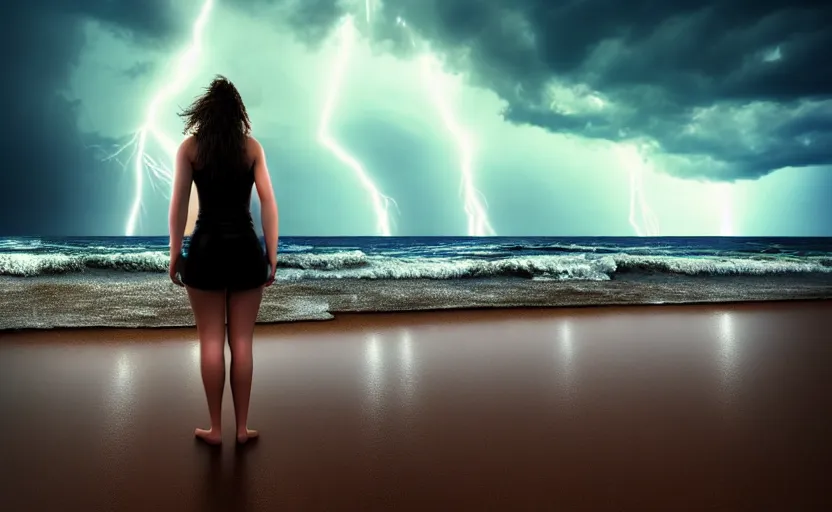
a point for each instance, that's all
(357, 264)
(715, 266)
(332, 261)
(29, 265)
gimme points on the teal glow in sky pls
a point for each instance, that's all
(420, 121)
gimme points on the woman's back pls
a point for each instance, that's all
(224, 193)
(224, 252)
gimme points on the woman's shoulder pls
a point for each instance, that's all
(253, 148)
(188, 146)
(253, 145)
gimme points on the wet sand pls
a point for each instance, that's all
(136, 300)
(717, 407)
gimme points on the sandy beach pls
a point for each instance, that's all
(709, 407)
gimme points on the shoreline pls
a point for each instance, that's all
(142, 301)
(357, 320)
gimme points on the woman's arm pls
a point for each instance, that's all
(193, 211)
(268, 204)
(180, 197)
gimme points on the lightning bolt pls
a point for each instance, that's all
(475, 210)
(642, 218)
(724, 194)
(381, 203)
(478, 224)
(144, 163)
(368, 7)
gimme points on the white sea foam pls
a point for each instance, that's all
(357, 264)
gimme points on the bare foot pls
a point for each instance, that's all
(243, 437)
(209, 436)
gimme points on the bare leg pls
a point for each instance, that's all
(243, 307)
(209, 312)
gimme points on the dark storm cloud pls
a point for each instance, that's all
(659, 65)
(310, 20)
(312, 17)
(147, 18)
(52, 184)
(139, 69)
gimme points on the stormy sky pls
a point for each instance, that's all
(718, 114)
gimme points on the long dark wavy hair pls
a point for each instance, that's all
(219, 122)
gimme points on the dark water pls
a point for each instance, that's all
(123, 280)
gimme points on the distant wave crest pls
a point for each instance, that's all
(357, 264)
(28, 265)
(555, 267)
(332, 261)
(720, 266)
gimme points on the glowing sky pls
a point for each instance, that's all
(720, 108)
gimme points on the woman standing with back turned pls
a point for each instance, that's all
(225, 270)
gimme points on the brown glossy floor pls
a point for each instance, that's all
(695, 408)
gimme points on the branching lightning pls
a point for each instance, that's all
(473, 200)
(381, 203)
(478, 223)
(145, 165)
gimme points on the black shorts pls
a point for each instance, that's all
(222, 261)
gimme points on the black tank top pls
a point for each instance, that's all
(224, 199)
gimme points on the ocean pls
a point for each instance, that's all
(122, 281)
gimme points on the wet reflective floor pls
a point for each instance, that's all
(670, 408)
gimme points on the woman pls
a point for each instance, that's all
(225, 270)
